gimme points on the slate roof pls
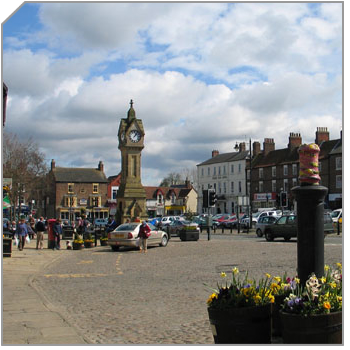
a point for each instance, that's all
(75, 175)
(226, 157)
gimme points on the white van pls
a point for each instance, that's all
(337, 214)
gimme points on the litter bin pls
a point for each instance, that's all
(6, 247)
(50, 235)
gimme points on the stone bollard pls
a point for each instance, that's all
(310, 198)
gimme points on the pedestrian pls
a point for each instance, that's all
(40, 229)
(12, 229)
(144, 233)
(57, 231)
(22, 233)
(111, 225)
(83, 225)
(31, 222)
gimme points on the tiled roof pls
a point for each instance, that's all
(152, 191)
(74, 175)
(226, 157)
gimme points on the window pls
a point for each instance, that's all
(94, 188)
(70, 188)
(232, 187)
(239, 186)
(338, 181)
(261, 186)
(239, 168)
(224, 187)
(261, 173)
(273, 186)
(95, 201)
(285, 185)
(224, 169)
(285, 169)
(160, 198)
(295, 181)
(294, 169)
(338, 163)
(70, 201)
(173, 198)
(282, 220)
(114, 193)
(214, 170)
(219, 187)
(273, 171)
(219, 169)
(202, 172)
(208, 171)
(248, 174)
(232, 168)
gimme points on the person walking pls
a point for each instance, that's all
(144, 233)
(40, 229)
(31, 231)
(57, 231)
(22, 233)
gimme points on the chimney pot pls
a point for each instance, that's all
(53, 164)
(322, 134)
(214, 153)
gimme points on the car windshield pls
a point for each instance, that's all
(335, 214)
(127, 227)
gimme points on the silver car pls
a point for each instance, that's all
(125, 235)
(261, 224)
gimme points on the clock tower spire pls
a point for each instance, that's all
(131, 196)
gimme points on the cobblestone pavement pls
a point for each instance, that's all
(128, 297)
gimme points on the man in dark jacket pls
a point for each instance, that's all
(57, 231)
(40, 229)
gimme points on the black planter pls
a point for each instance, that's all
(314, 329)
(189, 235)
(245, 325)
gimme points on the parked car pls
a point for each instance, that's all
(336, 215)
(166, 220)
(126, 235)
(286, 227)
(100, 222)
(262, 223)
(176, 226)
(231, 221)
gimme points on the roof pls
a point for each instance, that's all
(87, 175)
(152, 191)
(226, 157)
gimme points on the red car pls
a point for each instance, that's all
(229, 222)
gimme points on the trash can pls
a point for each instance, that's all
(6, 247)
(50, 235)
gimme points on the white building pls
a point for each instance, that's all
(227, 174)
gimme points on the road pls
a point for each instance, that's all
(128, 297)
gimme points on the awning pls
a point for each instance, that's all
(6, 203)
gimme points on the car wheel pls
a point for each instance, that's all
(259, 232)
(115, 248)
(164, 241)
(269, 236)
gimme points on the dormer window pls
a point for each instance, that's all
(173, 198)
(70, 188)
(160, 198)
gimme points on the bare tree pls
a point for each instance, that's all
(25, 164)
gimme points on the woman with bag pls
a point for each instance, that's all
(144, 233)
(22, 233)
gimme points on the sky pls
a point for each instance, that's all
(203, 76)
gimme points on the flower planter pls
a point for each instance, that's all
(78, 246)
(314, 329)
(88, 244)
(276, 318)
(6, 247)
(245, 325)
(189, 235)
(103, 242)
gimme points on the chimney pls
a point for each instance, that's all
(100, 166)
(242, 147)
(269, 145)
(322, 134)
(53, 164)
(256, 148)
(294, 140)
(214, 153)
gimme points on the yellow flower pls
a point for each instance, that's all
(235, 271)
(223, 274)
(326, 267)
(333, 285)
(271, 298)
(327, 305)
(323, 279)
(277, 279)
(339, 266)
(211, 298)
(297, 280)
(257, 299)
(267, 275)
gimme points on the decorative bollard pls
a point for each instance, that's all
(310, 197)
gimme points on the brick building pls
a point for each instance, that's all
(275, 171)
(77, 190)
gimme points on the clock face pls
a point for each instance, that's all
(122, 136)
(134, 136)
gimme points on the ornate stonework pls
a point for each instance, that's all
(131, 197)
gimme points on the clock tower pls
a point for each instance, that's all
(131, 196)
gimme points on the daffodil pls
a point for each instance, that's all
(223, 274)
